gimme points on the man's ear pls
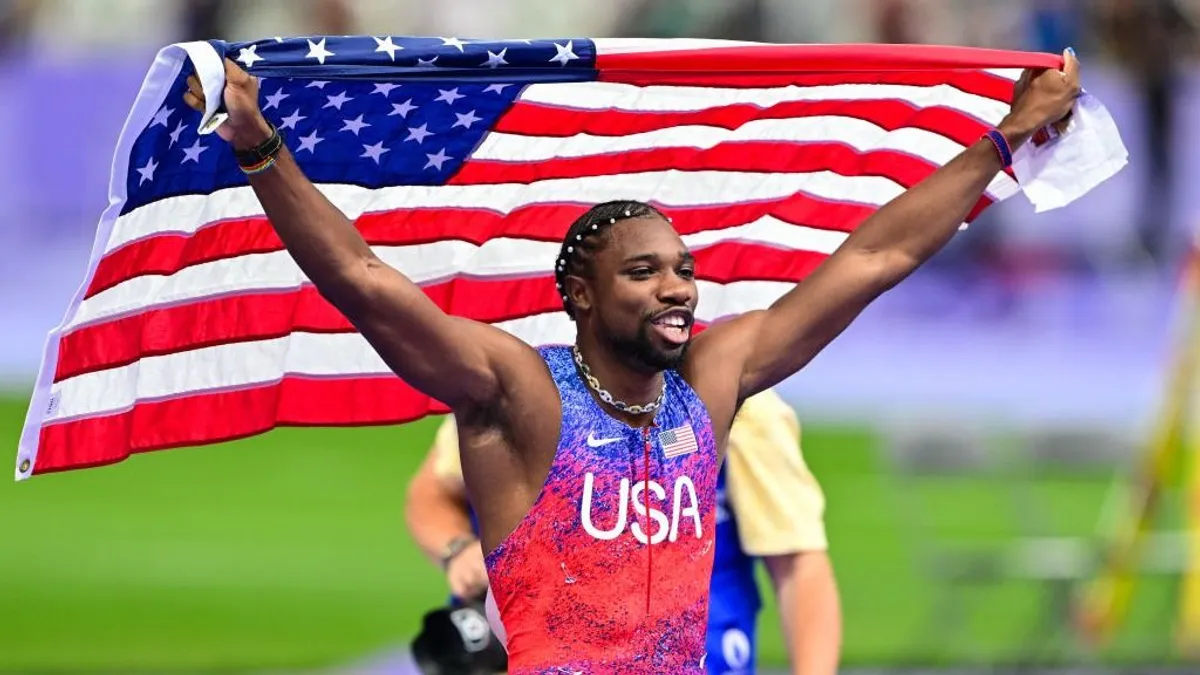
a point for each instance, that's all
(579, 291)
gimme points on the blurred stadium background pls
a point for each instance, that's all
(978, 433)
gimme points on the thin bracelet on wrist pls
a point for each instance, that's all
(1003, 148)
(457, 545)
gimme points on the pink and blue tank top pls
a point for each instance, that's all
(609, 572)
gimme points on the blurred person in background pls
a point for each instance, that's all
(69, 30)
(467, 19)
(770, 507)
(968, 23)
(1054, 25)
(895, 22)
(232, 20)
(16, 18)
(1150, 39)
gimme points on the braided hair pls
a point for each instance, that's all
(587, 235)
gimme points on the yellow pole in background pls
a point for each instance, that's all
(1187, 636)
(1104, 602)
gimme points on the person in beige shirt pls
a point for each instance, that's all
(769, 507)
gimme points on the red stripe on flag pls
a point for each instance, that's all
(838, 60)
(537, 119)
(256, 316)
(750, 156)
(167, 253)
(229, 415)
(983, 84)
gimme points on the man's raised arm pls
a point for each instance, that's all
(451, 359)
(889, 245)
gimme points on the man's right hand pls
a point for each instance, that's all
(467, 573)
(1042, 99)
(246, 126)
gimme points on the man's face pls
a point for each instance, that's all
(643, 293)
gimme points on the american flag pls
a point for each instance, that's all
(678, 441)
(463, 163)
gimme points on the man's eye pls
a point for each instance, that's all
(687, 273)
(640, 272)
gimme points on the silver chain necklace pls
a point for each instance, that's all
(608, 398)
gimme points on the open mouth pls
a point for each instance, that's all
(674, 326)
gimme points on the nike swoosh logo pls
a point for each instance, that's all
(594, 442)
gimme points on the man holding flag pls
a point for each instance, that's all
(769, 507)
(228, 293)
(556, 461)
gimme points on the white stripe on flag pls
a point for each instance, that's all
(661, 98)
(859, 134)
(618, 45)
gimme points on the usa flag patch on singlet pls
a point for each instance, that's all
(678, 441)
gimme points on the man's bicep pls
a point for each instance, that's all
(797, 326)
(453, 359)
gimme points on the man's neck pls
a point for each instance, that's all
(621, 380)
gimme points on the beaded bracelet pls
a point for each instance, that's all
(260, 167)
